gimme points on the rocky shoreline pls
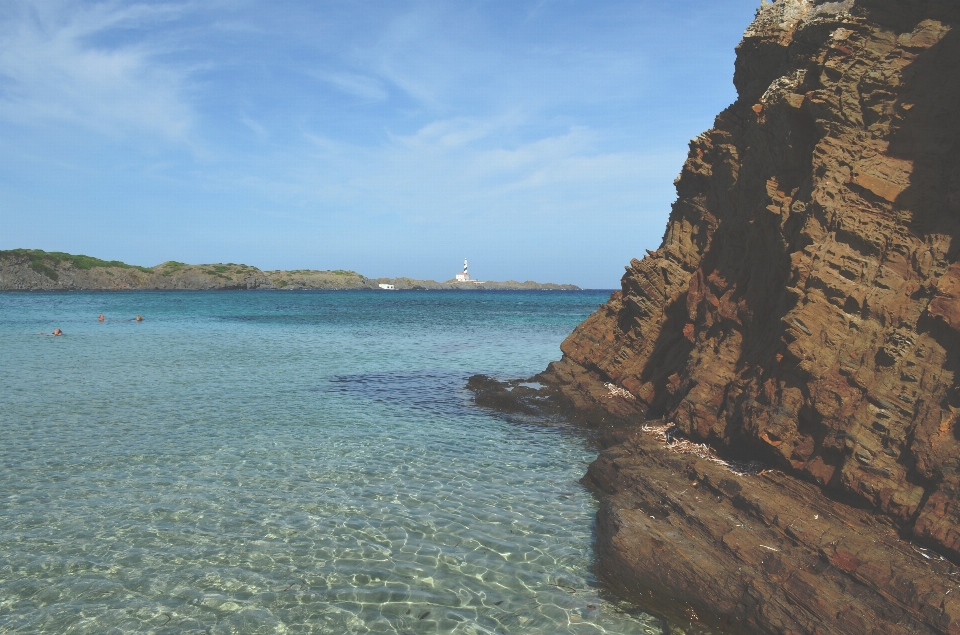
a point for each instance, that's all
(35, 270)
(714, 544)
(802, 313)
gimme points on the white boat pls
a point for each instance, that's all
(387, 287)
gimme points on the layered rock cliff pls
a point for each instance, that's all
(803, 310)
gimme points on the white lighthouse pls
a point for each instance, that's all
(465, 276)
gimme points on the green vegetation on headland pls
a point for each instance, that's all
(35, 269)
(171, 267)
(43, 262)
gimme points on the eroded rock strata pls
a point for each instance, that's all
(802, 310)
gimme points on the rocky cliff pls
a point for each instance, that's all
(803, 310)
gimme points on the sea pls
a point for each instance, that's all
(291, 462)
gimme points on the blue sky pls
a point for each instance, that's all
(539, 138)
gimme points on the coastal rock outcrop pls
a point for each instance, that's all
(803, 310)
(36, 270)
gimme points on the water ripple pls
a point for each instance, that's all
(167, 478)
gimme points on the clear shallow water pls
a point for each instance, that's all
(265, 462)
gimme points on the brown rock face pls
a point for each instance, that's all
(804, 309)
(761, 554)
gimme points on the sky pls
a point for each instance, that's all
(538, 138)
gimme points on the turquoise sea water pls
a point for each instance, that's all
(283, 462)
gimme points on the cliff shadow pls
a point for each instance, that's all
(739, 289)
(927, 133)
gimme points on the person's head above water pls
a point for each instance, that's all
(57, 332)
(101, 317)
(139, 318)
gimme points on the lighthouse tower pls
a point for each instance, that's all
(465, 276)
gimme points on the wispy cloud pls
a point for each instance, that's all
(366, 88)
(254, 126)
(535, 11)
(462, 168)
(516, 125)
(54, 70)
(457, 132)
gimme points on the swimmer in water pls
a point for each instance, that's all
(101, 317)
(139, 318)
(56, 333)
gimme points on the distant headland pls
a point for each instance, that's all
(37, 270)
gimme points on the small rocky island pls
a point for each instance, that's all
(36, 270)
(777, 387)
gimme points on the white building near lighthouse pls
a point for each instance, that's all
(465, 276)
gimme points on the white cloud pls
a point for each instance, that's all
(450, 134)
(255, 126)
(366, 88)
(460, 168)
(51, 70)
